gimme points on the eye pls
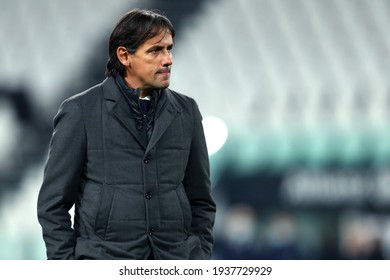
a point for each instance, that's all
(153, 51)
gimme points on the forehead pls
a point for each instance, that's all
(163, 37)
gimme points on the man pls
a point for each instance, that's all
(130, 155)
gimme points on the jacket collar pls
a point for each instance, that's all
(166, 110)
(112, 93)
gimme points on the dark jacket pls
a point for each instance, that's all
(130, 199)
(144, 120)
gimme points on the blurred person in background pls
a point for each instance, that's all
(130, 155)
(360, 241)
(239, 237)
(282, 238)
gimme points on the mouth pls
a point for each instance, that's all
(165, 72)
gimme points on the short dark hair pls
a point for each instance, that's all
(131, 31)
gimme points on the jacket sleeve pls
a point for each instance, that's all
(61, 180)
(198, 186)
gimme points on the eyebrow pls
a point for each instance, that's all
(155, 47)
(159, 47)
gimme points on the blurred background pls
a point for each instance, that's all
(295, 97)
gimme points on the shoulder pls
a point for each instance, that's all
(183, 100)
(87, 99)
(87, 95)
(184, 103)
(179, 96)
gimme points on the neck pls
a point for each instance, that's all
(143, 91)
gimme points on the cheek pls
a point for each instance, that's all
(145, 70)
(144, 73)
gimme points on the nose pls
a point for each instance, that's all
(167, 60)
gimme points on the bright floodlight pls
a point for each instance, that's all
(216, 133)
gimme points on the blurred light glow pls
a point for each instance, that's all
(216, 133)
(9, 131)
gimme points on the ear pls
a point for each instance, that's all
(123, 56)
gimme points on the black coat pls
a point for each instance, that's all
(129, 198)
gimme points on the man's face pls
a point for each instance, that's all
(150, 65)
